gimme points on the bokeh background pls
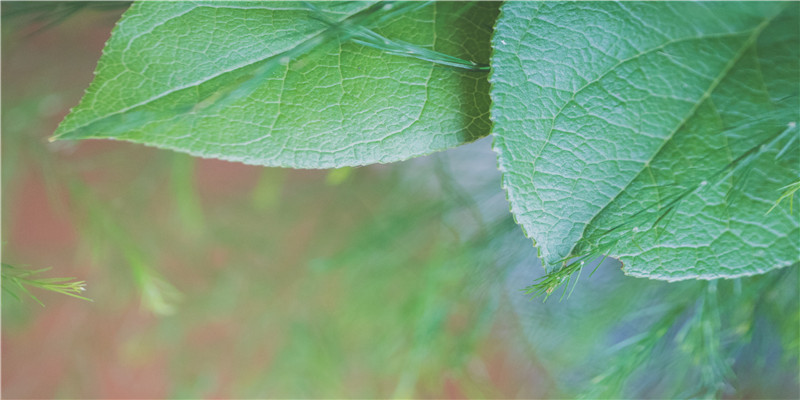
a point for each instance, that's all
(212, 279)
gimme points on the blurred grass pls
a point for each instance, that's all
(349, 277)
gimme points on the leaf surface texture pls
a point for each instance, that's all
(657, 133)
(283, 84)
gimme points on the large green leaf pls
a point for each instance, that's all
(658, 133)
(288, 84)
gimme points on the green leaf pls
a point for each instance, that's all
(292, 84)
(657, 133)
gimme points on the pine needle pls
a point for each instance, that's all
(15, 278)
(789, 191)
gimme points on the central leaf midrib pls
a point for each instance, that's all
(320, 34)
(604, 74)
(719, 78)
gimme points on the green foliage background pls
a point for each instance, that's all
(218, 280)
